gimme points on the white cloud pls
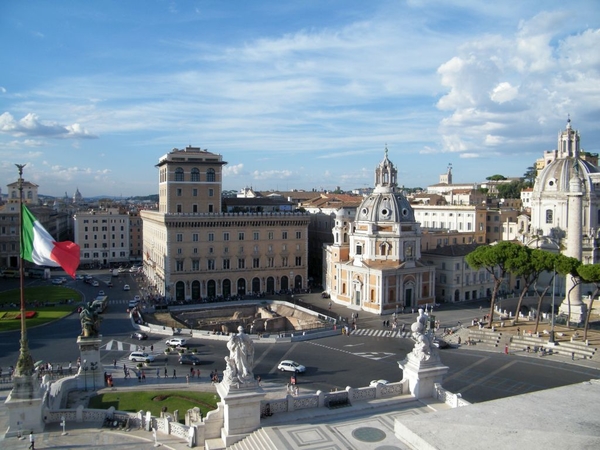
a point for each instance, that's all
(271, 174)
(231, 170)
(504, 92)
(30, 125)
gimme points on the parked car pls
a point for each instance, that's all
(101, 294)
(176, 342)
(440, 343)
(139, 336)
(141, 356)
(126, 287)
(291, 366)
(375, 383)
(189, 359)
(137, 298)
(56, 281)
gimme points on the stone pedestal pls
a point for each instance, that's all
(422, 375)
(241, 410)
(91, 378)
(24, 404)
(578, 310)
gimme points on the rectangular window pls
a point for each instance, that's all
(298, 260)
(270, 262)
(284, 235)
(240, 236)
(298, 234)
(210, 208)
(179, 266)
(179, 237)
(195, 264)
(211, 237)
(256, 263)
(270, 235)
(225, 236)
(194, 209)
(241, 263)
(211, 192)
(179, 251)
(210, 264)
(178, 192)
(284, 261)
(195, 237)
(179, 209)
(226, 264)
(195, 251)
(194, 192)
(256, 235)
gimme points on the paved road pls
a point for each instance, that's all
(332, 363)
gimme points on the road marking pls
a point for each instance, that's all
(466, 369)
(376, 356)
(274, 369)
(354, 345)
(487, 377)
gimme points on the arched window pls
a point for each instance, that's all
(195, 174)
(359, 249)
(210, 175)
(549, 216)
(179, 174)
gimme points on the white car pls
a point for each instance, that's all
(141, 356)
(95, 283)
(137, 298)
(375, 383)
(101, 293)
(56, 281)
(176, 342)
(291, 366)
(126, 287)
(133, 303)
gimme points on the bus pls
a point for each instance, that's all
(10, 273)
(38, 272)
(100, 303)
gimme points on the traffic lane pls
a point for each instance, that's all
(332, 365)
(484, 376)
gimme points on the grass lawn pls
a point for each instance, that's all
(154, 401)
(48, 302)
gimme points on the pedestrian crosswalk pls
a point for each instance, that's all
(380, 333)
(120, 346)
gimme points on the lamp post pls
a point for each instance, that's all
(85, 369)
(93, 367)
(551, 338)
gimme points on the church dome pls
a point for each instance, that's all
(385, 204)
(385, 207)
(556, 176)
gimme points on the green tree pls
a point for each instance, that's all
(496, 260)
(510, 190)
(589, 273)
(496, 177)
(529, 264)
(530, 176)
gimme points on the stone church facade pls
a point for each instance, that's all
(374, 263)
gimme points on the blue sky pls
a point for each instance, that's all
(303, 94)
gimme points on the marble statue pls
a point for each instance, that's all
(241, 358)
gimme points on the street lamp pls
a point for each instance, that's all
(93, 367)
(85, 369)
(551, 339)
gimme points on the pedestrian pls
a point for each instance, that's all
(506, 349)
(157, 372)
(192, 371)
(152, 348)
(403, 327)
(143, 375)
(572, 356)
(258, 379)
(518, 331)
(114, 364)
(187, 379)
(31, 441)
(166, 372)
(459, 340)
(174, 373)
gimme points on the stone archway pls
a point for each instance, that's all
(241, 287)
(255, 285)
(196, 290)
(270, 285)
(211, 289)
(226, 287)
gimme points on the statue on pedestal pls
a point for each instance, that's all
(241, 358)
(424, 348)
(90, 321)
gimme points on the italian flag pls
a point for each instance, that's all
(38, 246)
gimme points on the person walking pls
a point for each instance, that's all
(31, 441)
(174, 373)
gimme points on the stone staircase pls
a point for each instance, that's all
(486, 337)
(569, 349)
(259, 440)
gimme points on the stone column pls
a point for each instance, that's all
(578, 309)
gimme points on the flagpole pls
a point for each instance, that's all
(25, 361)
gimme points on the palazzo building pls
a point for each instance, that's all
(193, 251)
(374, 263)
